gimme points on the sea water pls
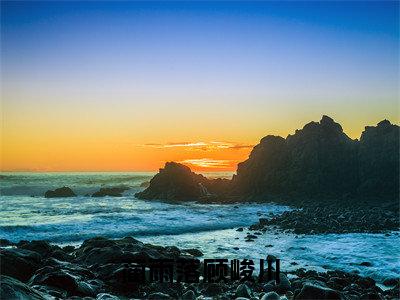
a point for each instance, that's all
(26, 215)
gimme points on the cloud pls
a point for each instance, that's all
(203, 146)
(208, 162)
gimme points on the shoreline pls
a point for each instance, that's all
(39, 264)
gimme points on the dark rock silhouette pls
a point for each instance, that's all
(176, 182)
(317, 161)
(113, 192)
(378, 159)
(60, 192)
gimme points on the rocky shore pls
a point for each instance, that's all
(333, 218)
(95, 270)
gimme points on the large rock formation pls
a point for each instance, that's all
(318, 161)
(378, 159)
(176, 182)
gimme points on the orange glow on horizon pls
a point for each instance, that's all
(59, 146)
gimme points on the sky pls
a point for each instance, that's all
(127, 86)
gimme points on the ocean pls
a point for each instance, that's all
(26, 215)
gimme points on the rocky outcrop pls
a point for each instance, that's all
(60, 192)
(176, 182)
(320, 160)
(378, 159)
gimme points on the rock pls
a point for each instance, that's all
(270, 296)
(243, 291)
(194, 252)
(68, 249)
(61, 255)
(75, 281)
(189, 295)
(365, 282)
(378, 159)
(213, 289)
(19, 263)
(158, 296)
(284, 284)
(11, 288)
(391, 281)
(269, 287)
(113, 192)
(105, 296)
(366, 264)
(240, 229)
(176, 182)
(336, 165)
(251, 236)
(60, 193)
(41, 247)
(312, 291)
(5, 243)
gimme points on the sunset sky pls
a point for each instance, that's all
(126, 86)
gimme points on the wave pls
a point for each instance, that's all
(54, 233)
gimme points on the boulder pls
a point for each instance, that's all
(11, 288)
(106, 296)
(113, 192)
(391, 281)
(5, 243)
(41, 247)
(243, 291)
(213, 289)
(311, 291)
(270, 296)
(60, 193)
(194, 252)
(73, 281)
(176, 182)
(19, 263)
